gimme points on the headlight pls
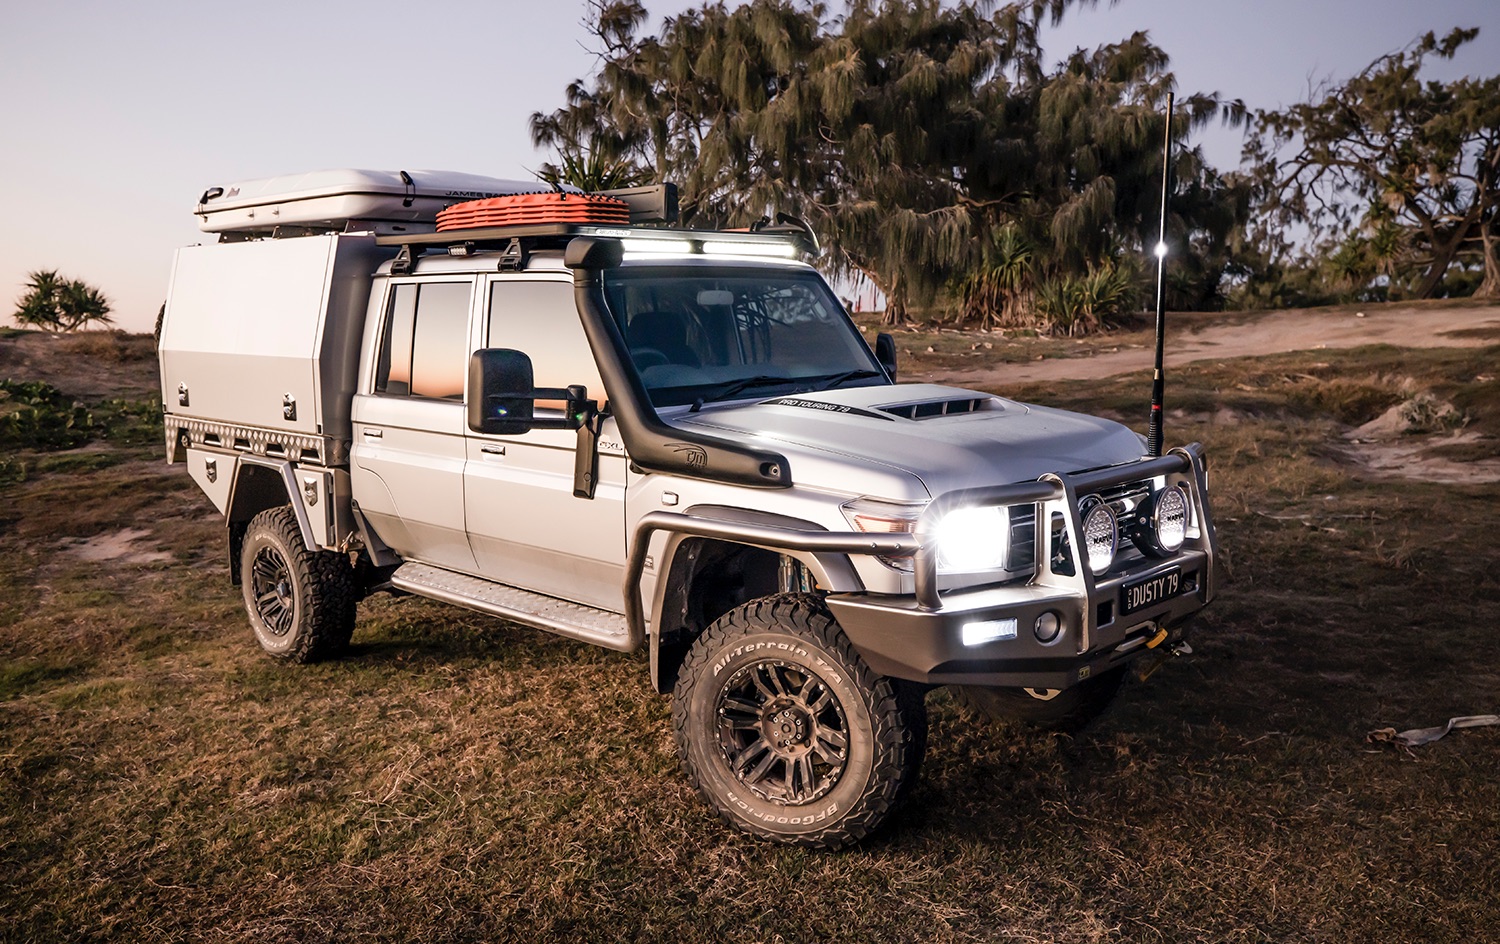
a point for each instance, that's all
(1101, 534)
(1169, 518)
(972, 539)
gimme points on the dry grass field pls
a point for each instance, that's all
(459, 779)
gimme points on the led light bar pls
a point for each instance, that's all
(668, 246)
(725, 247)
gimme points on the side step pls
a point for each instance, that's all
(586, 623)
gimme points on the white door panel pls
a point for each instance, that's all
(528, 529)
(408, 472)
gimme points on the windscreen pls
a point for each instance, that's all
(705, 334)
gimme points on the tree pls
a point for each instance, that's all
(925, 142)
(57, 304)
(1413, 165)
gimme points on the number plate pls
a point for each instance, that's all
(1144, 593)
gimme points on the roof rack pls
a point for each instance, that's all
(518, 242)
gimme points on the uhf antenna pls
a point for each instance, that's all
(1158, 380)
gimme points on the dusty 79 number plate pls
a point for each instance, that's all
(1143, 593)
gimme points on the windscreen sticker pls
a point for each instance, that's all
(802, 404)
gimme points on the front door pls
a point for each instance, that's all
(525, 526)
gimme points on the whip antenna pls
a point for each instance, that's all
(1153, 433)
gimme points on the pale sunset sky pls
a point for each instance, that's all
(116, 116)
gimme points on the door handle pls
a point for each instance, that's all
(373, 433)
(492, 450)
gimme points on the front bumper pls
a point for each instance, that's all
(898, 637)
(921, 637)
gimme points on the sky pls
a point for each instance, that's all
(115, 116)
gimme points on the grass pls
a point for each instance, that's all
(457, 778)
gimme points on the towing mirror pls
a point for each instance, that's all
(502, 399)
(885, 353)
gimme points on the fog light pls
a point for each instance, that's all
(1048, 627)
(979, 633)
(1170, 518)
(1101, 534)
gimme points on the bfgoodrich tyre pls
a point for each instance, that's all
(786, 732)
(300, 603)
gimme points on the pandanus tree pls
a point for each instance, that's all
(56, 304)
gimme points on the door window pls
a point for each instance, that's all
(424, 347)
(540, 319)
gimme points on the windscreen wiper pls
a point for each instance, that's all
(728, 391)
(833, 380)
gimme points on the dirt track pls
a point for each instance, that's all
(1271, 333)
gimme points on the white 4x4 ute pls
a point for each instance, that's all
(677, 439)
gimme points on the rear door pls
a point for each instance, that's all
(409, 422)
(526, 528)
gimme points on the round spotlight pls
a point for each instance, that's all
(1048, 627)
(1169, 518)
(1101, 534)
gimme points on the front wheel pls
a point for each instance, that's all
(787, 732)
(301, 603)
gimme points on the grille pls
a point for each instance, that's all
(1022, 538)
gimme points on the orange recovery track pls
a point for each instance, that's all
(534, 208)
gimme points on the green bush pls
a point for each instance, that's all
(38, 416)
(35, 415)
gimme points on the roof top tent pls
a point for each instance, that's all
(344, 200)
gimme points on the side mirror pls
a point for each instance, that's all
(501, 392)
(502, 400)
(885, 353)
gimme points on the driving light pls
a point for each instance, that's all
(983, 631)
(1101, 534)
(1169, 518)
(972, 539)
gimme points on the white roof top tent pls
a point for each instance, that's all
(344, 200)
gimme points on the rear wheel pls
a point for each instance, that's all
(300, 603)
(787, 733)
(1069, 710)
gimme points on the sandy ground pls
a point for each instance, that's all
(119, 545)
(1271, 333)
